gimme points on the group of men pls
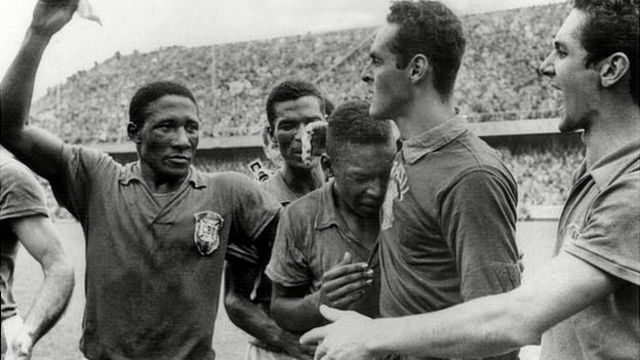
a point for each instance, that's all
(378, 248)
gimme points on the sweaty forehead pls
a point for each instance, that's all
(306, 106)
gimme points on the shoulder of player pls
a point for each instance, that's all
(623, 192)
(454, 169)
(227, 179)
(306, 207)
(15, 173)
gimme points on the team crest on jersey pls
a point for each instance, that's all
(207, 232)
(573, 232)
(397, 188)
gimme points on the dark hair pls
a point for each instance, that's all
(611, 26)
(290, 90)
(433, 30)
(152, 92)
(350, 123)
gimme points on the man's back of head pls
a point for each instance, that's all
(610, 27)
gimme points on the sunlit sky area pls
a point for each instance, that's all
(145, 25)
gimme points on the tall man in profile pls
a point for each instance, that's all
(583, 303)
(291, 105)
(448, 221)
(156, 229)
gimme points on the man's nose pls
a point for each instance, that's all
(366, 75)
(377, 188)
(300, 131)
(182, 139)
(546, 68)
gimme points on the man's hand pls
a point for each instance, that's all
(49, 16)
(344, 339)
(345, 283)
(293, 348)
(19, 340)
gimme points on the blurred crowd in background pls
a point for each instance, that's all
(498, 81)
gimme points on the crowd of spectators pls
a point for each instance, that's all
(544, 176)
(497, 80)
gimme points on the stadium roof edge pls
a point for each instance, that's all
(482, 129)
(516, 127)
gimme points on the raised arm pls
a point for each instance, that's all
(38, 235)
(36, 148)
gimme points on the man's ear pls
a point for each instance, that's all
(613, 68)
(271, 150)
(325, 162)
(418, 68)
(273, 138)
(133, 130)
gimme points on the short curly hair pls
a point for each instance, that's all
(287, 90)
(432, 29)
(350, 123)
(612, 26)
(152, 92)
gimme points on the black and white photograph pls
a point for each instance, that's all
(320, 180)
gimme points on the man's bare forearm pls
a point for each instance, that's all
(36, 148)
(253, 320)
(478, 330)
(16, 89)
(482, 327)
(52, 298)
(297, 314)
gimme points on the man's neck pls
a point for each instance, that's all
(160, 184)
(427, 112)
(302, 181)
(612, 127)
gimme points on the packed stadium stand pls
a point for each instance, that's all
(497, 82)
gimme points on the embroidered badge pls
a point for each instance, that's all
(396, 189)
(206, 234)
(573, 232)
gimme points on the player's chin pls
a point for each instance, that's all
(368, 211)
(377, 112)
(298, 163)
(573, 122)
(176, 170)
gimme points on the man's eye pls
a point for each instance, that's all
(192, 127)
(286, 127)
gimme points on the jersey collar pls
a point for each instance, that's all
(414, 148)
(133, 172)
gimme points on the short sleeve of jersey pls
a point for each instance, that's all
(20, 193)
(478, 218)
(244, 252)
(288, 265)
(79, 167)
(20, 196)
(253, 210)
(610, 239)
